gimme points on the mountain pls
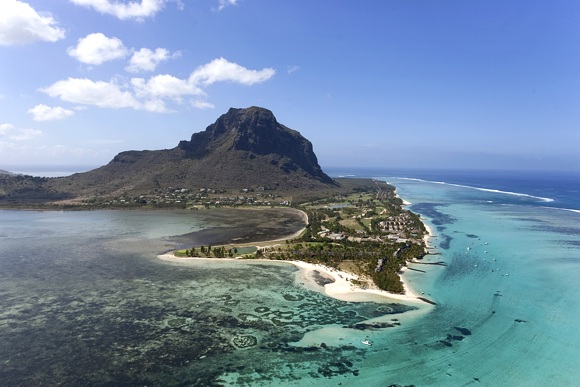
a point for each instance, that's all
(244, 148)
(254, 133)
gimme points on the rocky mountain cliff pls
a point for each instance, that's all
(244, 148)
(255, 132)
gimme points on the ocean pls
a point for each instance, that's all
(85, 300)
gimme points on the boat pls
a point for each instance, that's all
(367, 342)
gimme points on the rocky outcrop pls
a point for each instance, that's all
(256, 132)
(244, 148)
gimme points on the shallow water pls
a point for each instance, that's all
(510, 280)
(85, 300)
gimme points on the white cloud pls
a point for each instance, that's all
(20, 135)
(147, 60)
(22, 24)
(165, 86)
(87, 92)
(96, 49)
(131, 10)
(224, 3)
(156, 105)
(221, 70)
(151, 94)
(203, 105)
(46, 113)
(4, 128)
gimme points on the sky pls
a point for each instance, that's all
(420, 84)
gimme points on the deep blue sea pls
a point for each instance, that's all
(561, 188)
(85, 300)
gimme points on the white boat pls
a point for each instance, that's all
(367, 342)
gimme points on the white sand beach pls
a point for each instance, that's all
(342, 288)
(429, 234)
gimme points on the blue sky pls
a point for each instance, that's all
(421, 84)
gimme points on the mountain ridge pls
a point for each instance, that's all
(243, 148)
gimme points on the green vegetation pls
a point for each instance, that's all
(357, 225)
(366, 232)
(223, 251)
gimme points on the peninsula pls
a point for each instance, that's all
(366, 235)
(247, 159)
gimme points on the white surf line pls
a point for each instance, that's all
(547, 200)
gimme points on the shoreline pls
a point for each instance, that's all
(297, 233)
(270, 242)
(427, 237)
(342, 288)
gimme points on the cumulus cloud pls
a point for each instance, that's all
(97, 48)
(152, 94)
(221, 70)
(131, 10)
(21, 24)
(147, 60)
(87, 92)
(46, 113)
(18, 134)
(165, 86)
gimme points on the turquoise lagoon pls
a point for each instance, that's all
(513, 262)
(86, 301)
